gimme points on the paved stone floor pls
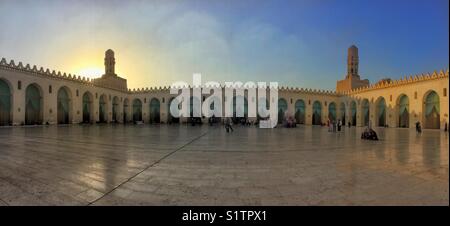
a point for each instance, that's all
(185, 165)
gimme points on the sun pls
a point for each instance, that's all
(90, 72)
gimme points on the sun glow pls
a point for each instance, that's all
(90, 72)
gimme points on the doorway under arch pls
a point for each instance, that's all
(64, 105)
(403, 111)
(126, 109)
(365, 108)
(332, 112)
(87, 107)
(300, 111)
(5, 103)
(282, 109)
(380, 112)
(353, 112)
(176, 110)
(115, 109)
(33, 105)
(103, 111)
(154, 111)
(343, 113)
(431, 110)
(137, 110)
(317, 113)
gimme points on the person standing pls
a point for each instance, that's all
(339, 125)
(225, 122)
(329, 125)
(418, 127)
(228, 126)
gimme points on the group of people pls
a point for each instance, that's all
(369, 133)
(195, 120)
(243, 121)
(334, 126)
(290, 122)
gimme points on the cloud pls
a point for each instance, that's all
(156, 43)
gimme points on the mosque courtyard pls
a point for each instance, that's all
(203, 165)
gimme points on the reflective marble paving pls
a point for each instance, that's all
(185, 165)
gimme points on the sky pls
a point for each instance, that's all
(299, 43)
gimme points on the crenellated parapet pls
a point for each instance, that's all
(47, 73)
(149, 90)
(280, 89)
(42, 72)
(309, 91)
(407, 80)
(100, 82)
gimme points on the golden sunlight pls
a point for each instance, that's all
(90, 72)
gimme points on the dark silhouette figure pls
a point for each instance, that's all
(369, 134)
(228, 126)
(418, 127)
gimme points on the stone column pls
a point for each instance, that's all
(359, 114)
(49, 105)
(18, 105)
(308, 112)
(95, 107)
(77, 106)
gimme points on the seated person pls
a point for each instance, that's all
(369, 134)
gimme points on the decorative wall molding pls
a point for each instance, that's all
(405, 81)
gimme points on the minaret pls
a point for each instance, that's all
(352, 79)
(110, 62)
(352, 62)
(110, 79)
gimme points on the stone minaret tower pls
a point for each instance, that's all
(352, 62)
(110, 79)
(110, 62)
(352, 79)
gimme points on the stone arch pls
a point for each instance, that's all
(5, 103)
(402, 109)
(380, 112)
(332, 112)
(217, 118)
(282, 109)
(155, 109)
(170, 117)
(353, 113)
(300, 110)
(64, 105)
(137, 110)
(103, 109)
(431, 110)
(237, 109)
(115, 109)
(317, 113)
(365, 112)
(33, 105)
(343, 113)
(88, 113)
(194, 102)
(263, 105)
(126, 110)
